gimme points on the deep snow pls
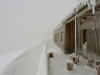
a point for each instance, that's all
(43, 64)
(6, 59)
(58, 65)
(27, 62)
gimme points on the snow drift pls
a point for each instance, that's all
(27, 62)
(43, 64)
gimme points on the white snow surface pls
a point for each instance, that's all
(43, 64)
(70, 61)
(6, 59)
(58, 65)
(28, 62)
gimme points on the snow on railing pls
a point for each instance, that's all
(89, 2)
(43, 63)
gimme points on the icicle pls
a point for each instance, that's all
(77, 8)
(93, 9)
(93, 3)
(88, 4)
(85, 2)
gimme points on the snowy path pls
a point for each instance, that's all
(27, 63)
(7, 58)
(58, 66)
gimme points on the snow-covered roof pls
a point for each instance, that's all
(81, 4)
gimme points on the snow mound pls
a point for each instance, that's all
(70, 61)
(22, 62)
(43, 64)
(6, 59)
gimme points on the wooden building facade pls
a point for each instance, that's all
(80, 32)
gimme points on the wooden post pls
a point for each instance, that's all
(97, 62)
(98, 31)
(97, 41)
(75, 59)
(90, 62)
(77, 37)
(51, 55)
(98, 70)
(70, 65)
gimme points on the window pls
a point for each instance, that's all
(84, 36)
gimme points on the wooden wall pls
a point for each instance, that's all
(70, 37)
(59, 37)
(90, 30)
(64, 37)
(98, 31)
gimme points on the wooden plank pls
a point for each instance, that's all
(77, 38)
(73, 41)
(68, 38)
(98, 33)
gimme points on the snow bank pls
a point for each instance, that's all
(27, 62)
(58, 66)
(6, 59)
(43, 64)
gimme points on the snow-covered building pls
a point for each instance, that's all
(80, 31)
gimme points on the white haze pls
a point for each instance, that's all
(24, 22)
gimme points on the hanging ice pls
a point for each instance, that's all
(84, 1)
(90, 2)
(93, 3)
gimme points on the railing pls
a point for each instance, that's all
(43, 63)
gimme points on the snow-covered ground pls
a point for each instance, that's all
(58, 65)
(26, 62)
(6, 59)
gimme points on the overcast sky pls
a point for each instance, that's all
(24, 22)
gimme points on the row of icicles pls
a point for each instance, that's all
(89, 3)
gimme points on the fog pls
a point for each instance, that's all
(24, 22)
